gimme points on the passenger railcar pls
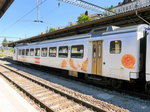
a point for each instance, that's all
(117, 54)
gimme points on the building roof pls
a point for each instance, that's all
(4, 5)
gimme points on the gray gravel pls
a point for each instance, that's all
(132, 103)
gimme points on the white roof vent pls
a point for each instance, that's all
(111, 28)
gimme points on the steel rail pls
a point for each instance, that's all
(84, 103)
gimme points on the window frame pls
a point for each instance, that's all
(20, 52)
(27, 53)
(63, 53)
(42, 52)
(31, 52)
(75, 46)
(36, 52)
(111, 51)
(52, 53)
(23, 52)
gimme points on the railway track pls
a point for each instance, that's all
(52, 97)
(130, 91)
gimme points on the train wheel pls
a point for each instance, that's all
(116, 84)
(147, 88)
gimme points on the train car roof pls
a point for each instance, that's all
(135, 28)
(112, 30)
(81, 36)
(4, 5)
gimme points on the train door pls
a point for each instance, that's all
(97, 57)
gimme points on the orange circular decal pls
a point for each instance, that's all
(128, 61)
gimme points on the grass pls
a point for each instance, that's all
(1, 55)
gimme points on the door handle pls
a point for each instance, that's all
(104, 63)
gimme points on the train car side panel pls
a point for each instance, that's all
(148, 58)
(121, 56)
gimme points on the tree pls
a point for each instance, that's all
(5, 42)
(84, 18)
(52, 29)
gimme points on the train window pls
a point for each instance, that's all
(77, 51)
(27, 52)
(20, 51)
(115, 47)
(52, 51)
(37, 52)
(94, 51)
(44, 52)
(31, 52)
(23, 52)
(63, 51)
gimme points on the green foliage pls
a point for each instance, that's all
(12, 50)
(5, 42)
(1, 55)
(84, 18)
(110, 8)
(52, 29)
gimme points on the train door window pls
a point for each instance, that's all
(23, 51)
(100, 50)
(44, 52)
(77, 51)
(31, 52)
(37, 52)
(63, 51)
(115, 47)
(52, 51)
(27, 52)
(94, 51)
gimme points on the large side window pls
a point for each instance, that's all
(52, 51)
(115, 47)
(31, 52)
(63, 51)
(77, 51)
(37, 52)
(44, 52)
(27, 52)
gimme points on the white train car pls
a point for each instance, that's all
(116, 54)
(147, 86)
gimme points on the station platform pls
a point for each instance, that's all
(11, 101)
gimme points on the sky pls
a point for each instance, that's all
(17, 23)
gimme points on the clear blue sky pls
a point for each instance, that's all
(53, 16)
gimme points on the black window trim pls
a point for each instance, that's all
(82, 53)
(52, 53)
(120, 47)
(64, 53)
(28, 52)
(42, 51)
(33, 51)
(39, 53)
(23, 52)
